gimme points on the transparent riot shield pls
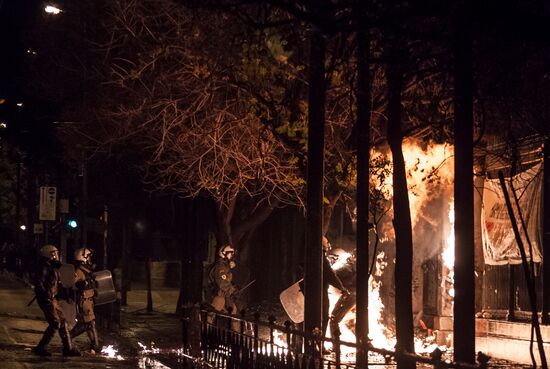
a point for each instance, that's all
(105, 292)
(292, 300)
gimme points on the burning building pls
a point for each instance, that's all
(502, 305)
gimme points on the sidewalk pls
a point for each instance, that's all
(21, 327)
(161, 327)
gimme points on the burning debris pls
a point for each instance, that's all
(146, 362)
(111, 352)
(148, 350)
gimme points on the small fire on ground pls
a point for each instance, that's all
(111, 352)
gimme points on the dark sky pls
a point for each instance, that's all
(16, 16)
(29, 126)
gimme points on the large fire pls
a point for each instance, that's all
(429, 178)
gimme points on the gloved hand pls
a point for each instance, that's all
(80, 285)
(234, 289)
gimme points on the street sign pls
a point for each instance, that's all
(48, 197)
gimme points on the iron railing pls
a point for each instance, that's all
(213, 339)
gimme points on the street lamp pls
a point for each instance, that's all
(52, 9)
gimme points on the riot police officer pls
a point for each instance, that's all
(344, 265)
(225, 291)
(48, 290)
(330, 278)
(222, 278)
(84, 283)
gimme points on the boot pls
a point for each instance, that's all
(93, 336)
(68, 349)
(40, 349)
(78, 329)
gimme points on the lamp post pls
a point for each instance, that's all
(18, 203)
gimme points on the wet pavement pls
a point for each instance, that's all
(143, 340)
(21, 327)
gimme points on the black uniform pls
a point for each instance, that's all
(48, 288)
(330, 278)
(347, 301)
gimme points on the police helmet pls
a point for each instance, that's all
(83, 255)
(49, 252)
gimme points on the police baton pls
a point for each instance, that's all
(30, 302)
(245, 287)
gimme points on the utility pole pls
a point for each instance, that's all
(63, 211)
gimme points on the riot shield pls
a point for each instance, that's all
(67, 277)
(292, 300)
(105, 292)
(69, 312)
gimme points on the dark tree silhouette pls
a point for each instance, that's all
(401, 209)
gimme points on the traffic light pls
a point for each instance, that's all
(72, 223)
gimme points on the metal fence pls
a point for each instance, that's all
(215, 340)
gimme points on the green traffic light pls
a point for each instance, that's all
(72, 223)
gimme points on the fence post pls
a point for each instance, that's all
(271, 320)
(256, 337)
(337, 349)
(193, 336)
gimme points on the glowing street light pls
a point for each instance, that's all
(52, 9)
(23, 227)
(3, 125)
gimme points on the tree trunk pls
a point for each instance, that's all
(401, 213)
(149, 289)
(363, 163)
(186, 267)
(315, 170)
(224, 214)
(464, 301)
(125, 280)
(546, 235)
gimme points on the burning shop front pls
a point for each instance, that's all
(503, 328)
